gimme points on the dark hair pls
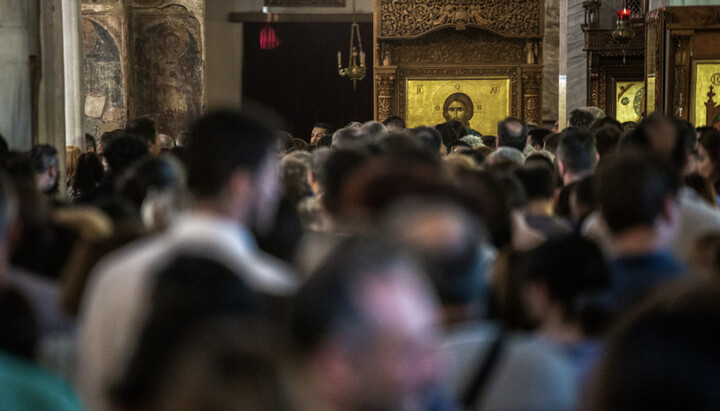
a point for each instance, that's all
(327, 127)
(221, 142)
(650, 135)
(581, 119)
(710, 141)
(703, 187)
(577, 277)
(187, 292)
(329, 301)
(158, 173)
(143, 127)
(664, 356)
(489, 140)
(43, 156)
(607, 138)
(19, 334)
(428, 137)
(632, 189)
(552, 141)
(396, 120)
(89, 173)
(515, 139)
(494, 207)
(90, 142)
(325, 141)
(463, 98)
(537, 159)
(449, 131)
(577, 150)
(123, 151)
(605, 121)
(336, 171)
(284, 140)
(4, 150)
(537, 136)
(537, 181)
(108, 136)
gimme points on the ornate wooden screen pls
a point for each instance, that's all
(460, 41)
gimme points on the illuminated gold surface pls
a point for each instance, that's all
(490, 98)
(629, 96)
(706, 74)
(650, 98)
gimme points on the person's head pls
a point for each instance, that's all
(316, 175)
(373, 131)
(451, 242)
(473, 141)
(325, 141)
(20, 333)
(364, 326)
(580, 119)
(46, 166)
(458, 107)
(708, 164)
(186, 292)
(450, 131)
(536, 138)
(165, 142)
(144, 127)
(506, 155)
(568, 280)
(89, 173)
(319, 131)
(490, 141)
(347, 138)
(337, 169)
(551, 143)
(512, 132)
(395, 124)
(294, 177)
(150, 177)
(663, 136)
(538, 181)
(638, 190)
(428, 137)
(72, 154)
(108, 136)
(284, 141)
(576, 155)
(664, 356)
(230, 165)
(457, 146)
(703, 187)
(231, 364)
(90, 143)
(124, 151)
(606, 139)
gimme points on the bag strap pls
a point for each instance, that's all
(474, 391)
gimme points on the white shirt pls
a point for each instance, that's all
(117, 298)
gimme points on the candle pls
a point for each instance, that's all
(362, 58)
(339, 59)
(624, 14)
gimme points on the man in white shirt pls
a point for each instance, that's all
(231, 174)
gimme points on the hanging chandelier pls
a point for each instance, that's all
(355, 69)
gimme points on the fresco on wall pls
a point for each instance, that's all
(169, 70)
(104, 105)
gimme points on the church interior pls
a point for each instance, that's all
(359, 204)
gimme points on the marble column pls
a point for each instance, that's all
(551, 48)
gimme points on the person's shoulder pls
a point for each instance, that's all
(27, 386)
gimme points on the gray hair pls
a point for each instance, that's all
(474, 141)
(510, 154)
(374, 131)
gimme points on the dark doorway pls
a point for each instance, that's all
(299, 79)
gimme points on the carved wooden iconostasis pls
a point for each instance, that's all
(484, 55)
(616, 71)
(683, 63)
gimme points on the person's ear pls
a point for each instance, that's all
(597, 158)
(670, 212)
(53, 172)
(561, 167)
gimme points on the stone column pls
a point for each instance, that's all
(168, 56)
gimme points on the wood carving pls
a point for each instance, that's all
(532, 84)
(305, 3)
(451, 47)
(682, 69)
(385, 83)
(413, 18)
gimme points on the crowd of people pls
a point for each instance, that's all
(372, 267)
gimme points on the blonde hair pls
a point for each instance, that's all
(72, 155)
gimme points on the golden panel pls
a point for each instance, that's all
(650, 99)
(629, 98)
(705, 74)
(479, 102)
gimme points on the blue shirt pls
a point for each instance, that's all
(635, 276)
